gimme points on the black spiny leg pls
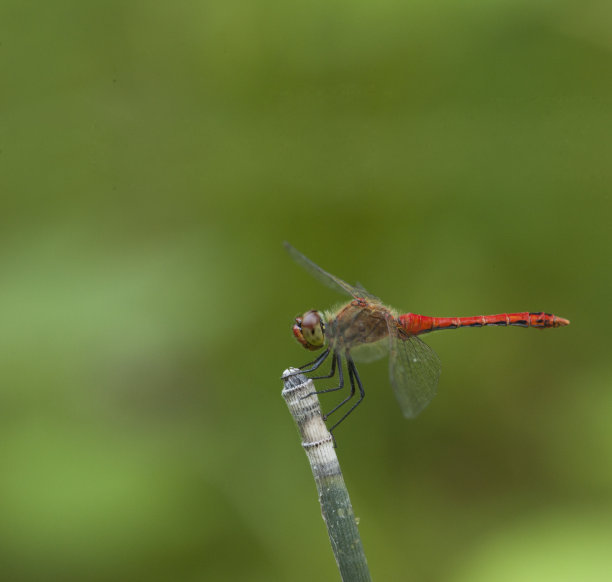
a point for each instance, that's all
(326, 416)
(353, 375)
(315, 364)
(336, 363)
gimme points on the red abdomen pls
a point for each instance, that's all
(415, 324)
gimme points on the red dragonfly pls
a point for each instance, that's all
(365, 329)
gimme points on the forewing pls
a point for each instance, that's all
(414, 369)
(323, 276)
(364, 293)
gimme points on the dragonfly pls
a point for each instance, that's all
(365, 329)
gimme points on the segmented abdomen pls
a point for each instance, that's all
(415, 324)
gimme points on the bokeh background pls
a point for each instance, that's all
(455, 158)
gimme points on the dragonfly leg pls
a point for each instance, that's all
(332, 373)
(315, 363)
(337, 362)
(352, 393)
(353, 376)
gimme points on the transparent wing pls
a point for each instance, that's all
(324, 277)
(414, 369)
(363, 292)
(366, 353)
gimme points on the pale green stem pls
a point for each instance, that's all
(333, 495)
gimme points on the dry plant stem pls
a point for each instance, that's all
(333, 496)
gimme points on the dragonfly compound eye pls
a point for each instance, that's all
(309, 330)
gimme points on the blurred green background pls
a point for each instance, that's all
(455, 158)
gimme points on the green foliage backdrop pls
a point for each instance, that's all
(452, 157)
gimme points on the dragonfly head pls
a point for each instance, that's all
(309, 330)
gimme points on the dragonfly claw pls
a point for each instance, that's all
(307, 396)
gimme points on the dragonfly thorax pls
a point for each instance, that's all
(309, 330)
